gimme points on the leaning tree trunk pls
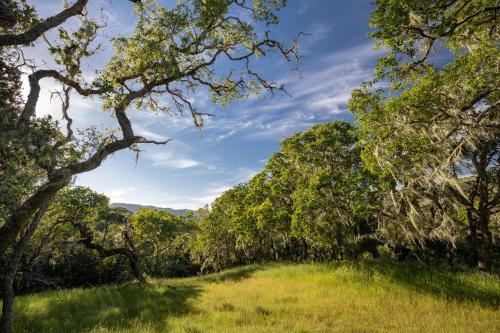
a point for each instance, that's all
(136, 267)
(17, 222)
(133, 259)
(8, 294)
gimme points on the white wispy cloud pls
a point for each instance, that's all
(320, 95)
(316, 32)
(166, 197)
(120, 194)
(148, 134)
(171, 160)
(159, 197)
(335, 104)
(225, 135)
(242, 174)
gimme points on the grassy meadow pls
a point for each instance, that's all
(369, 296)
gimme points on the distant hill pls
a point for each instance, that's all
(133, 207)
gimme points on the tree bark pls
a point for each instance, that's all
(8, 294)
(22, 215)
(136, 268)
(484, 241)
(9, 20)
(39, 29)
(339, 237)
(472, 257)
(484, 260)
(133, 258)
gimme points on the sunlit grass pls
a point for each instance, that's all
(374, 296)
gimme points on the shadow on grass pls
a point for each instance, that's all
(235, 274)
(121, 308)
(458, 284)
(115, 308)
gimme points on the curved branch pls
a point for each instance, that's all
(34, 94)
(39, 29)
(49, 23)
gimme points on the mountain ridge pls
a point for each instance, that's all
(134, 207)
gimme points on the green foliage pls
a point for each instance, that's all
(75, 242)
(314, 200)
(329, 166)
(172, 45)
(18, 16)
(70, 50)
(435, 132)
(163, 241)
(171, 54)
(80, 203)
(154, 225)
(410, 30)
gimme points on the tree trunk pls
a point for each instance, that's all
(484, 250)
(339, 238)
(306, 250)
(136, 269)
(7, 285)
(472, 257)
(484, 241)
(8, 301)
(133, 259)
(484, 254)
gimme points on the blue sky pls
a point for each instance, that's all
(195, 167)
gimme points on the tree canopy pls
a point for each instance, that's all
(439, 137)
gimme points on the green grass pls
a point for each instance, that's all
(371, 296)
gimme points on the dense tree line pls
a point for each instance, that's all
(422, 175)
(317, 201)
(314, 201)
(82, 241)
